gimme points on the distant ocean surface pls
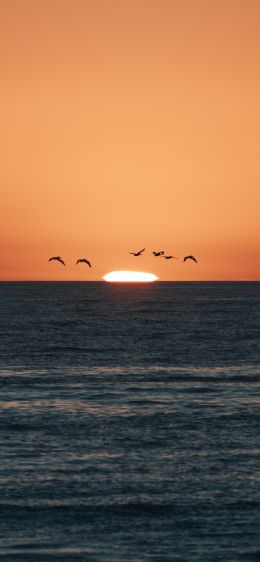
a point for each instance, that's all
(130, 422)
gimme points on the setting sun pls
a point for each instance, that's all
(129, 277)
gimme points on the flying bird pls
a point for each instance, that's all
(137, 253)
(158, 253)
(190, 258)
(83, 260)
(170, 257)
(57, 258)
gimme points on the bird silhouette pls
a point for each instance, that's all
(137, 253)
(83, 260)
(190, 258)
(170, 257)
(57, 258)
(158, 253)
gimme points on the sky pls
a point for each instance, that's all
(128, 124)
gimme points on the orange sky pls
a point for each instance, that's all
(130, 123)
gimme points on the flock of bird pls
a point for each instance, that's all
(58, 258)
(160, 254)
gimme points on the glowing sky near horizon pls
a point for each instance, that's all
(130, 124)
(130, 277)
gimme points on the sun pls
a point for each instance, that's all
(129, 277)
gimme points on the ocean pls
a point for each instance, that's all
(130, 422)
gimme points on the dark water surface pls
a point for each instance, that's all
(130, 422)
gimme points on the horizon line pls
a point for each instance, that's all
(103, 281)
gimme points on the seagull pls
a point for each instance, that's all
(190, 258)
(57, 258)
(158, 253)
(85, 261)
(170, 257)
(137, 253)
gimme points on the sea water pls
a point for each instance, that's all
(130, 422)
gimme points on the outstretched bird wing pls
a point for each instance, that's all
(57, 258)
(137, 253)
(190, 258)
(83, 260)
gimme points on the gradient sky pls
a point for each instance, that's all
(130, 123)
